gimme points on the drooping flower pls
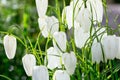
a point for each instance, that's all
(118, 52)
(53, 57)
(97, 9)
(68, 12)
(110, 46)
(69, 61)
(97, 54)
(59, 41)
(61, 75)
(41, 7)
(40, 73)
(80, 36)
(10, 45)
(48, 25)
(84, 19)
(29, 62)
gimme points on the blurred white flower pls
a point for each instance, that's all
(41, 7)
(10, 45)
(29, 62)
(61, 75)
(59, 41)
(40, 73)
(97, 9)
(48, 25)
(83, 15)
(53, 57)
(67, 14)
(84, 19)
(80, 36)
(69, 61)
(118, 52)
(97, 54)
(110, 46)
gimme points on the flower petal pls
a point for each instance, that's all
(110, 46)
(10, 45)
(97, 9)
(41, 7)
(80, 36)
(40, 73)
(69, 60)
(53, 58)
(48, 25)
(96, 50)
(29, 62)
(84, 19)
(61, 75)
(59, 41)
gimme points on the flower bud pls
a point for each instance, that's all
(10, 45)
(69, 61)
(40, 73)
(61, 75)
(29, 62)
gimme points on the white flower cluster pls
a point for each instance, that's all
(79, 15)
(109, 48)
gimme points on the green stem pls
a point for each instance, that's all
(3, 76)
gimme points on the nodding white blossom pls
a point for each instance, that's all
(59, 41)
(41, 7)
(67, 14)
(83, 14)
(10, 45)
(97, 54)
(29, 62)
(53, 57)
(61, 75)
(48, 25)
(40, 73)
(84, 19)
(110, 46)
(97, 9)
(118, 52)
(69, 61)
(80, 36)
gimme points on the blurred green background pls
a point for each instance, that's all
(22, 13)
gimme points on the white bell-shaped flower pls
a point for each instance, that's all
(97, 54)
(61, 75)
(29, 62)
(118, 52)
(97, 9)
(48, 25)
(41, 7)
(94, 7)
(110, 46)
(67, 14)
(40, 73)
(80, 36)
(69, 61)
(59, 41)
(53, 57)
(10, 45)
(84, 19)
